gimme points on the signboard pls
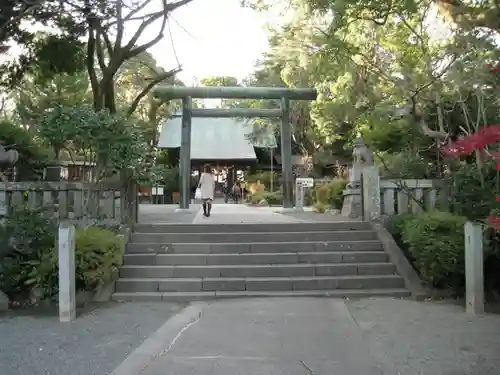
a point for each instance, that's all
(305, 181)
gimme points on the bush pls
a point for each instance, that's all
(435, 241)
(98, 255)
(330, 194)
(264, 178)
(28, 256)
(275, 198)
(24, 237)
(467, 196)
(320, 208)
(33, 157)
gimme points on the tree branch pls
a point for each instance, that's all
(100, 52)
(94, 83)
(167, 8)
(154, 81)
(119, 25)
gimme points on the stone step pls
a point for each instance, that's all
(198, 284)
(194, 296)
(253, 227)
(197, 259)
(207, 238)
(275, 270)
(253, 247)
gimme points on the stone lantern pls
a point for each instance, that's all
(8, 158)
(362, 157)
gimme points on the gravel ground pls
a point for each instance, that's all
(94, 344)
(428, 338)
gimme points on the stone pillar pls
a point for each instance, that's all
(66, 254)
(286, 154)
(351, 206)
(185, 155)
(474, 268)
(371, 193)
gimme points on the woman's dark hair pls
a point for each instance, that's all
(207, 169)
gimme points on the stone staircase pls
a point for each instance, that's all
(183, 262)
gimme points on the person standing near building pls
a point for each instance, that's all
(207, 188)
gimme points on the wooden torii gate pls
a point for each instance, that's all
(167, 93)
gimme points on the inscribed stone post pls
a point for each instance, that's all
(474, 273)
(371, 193)
(67, 304)
(299, 196)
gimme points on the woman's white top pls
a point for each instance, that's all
(207, 186)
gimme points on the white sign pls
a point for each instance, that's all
(305, 181)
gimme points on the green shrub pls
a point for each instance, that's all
(467, 195)
(24, 237)
(264, 178)
(330, 194)
(435, 241)
(98, 255)
(320, 208)
(28, 255)
(275, 198)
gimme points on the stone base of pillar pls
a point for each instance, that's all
(351, 205)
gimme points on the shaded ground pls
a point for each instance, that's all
(420, 338)
(165, 213)
(94, 344)
(378, 336)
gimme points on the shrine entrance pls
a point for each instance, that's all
(187, 94)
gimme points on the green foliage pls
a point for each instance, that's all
(25, 236)
(98, 255)
(320, 207)
(108, 140)
(435, 242)
(403, 165)
(272, 199)
(330, 194)
(467, 196)
(28, 260)
(33, 157)
(48, 52)
(264, 178)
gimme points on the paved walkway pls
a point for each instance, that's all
(241, 213)
(320, 337)
(224, 213)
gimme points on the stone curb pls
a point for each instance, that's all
(160, 341)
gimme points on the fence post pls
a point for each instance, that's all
(474, 268)
(371, 193)
(66, 255)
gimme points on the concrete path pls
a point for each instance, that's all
(320, 337)
(241, 213)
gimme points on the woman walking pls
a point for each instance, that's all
(207, 187)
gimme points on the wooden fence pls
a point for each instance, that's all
(407, 196)
(72, 200)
